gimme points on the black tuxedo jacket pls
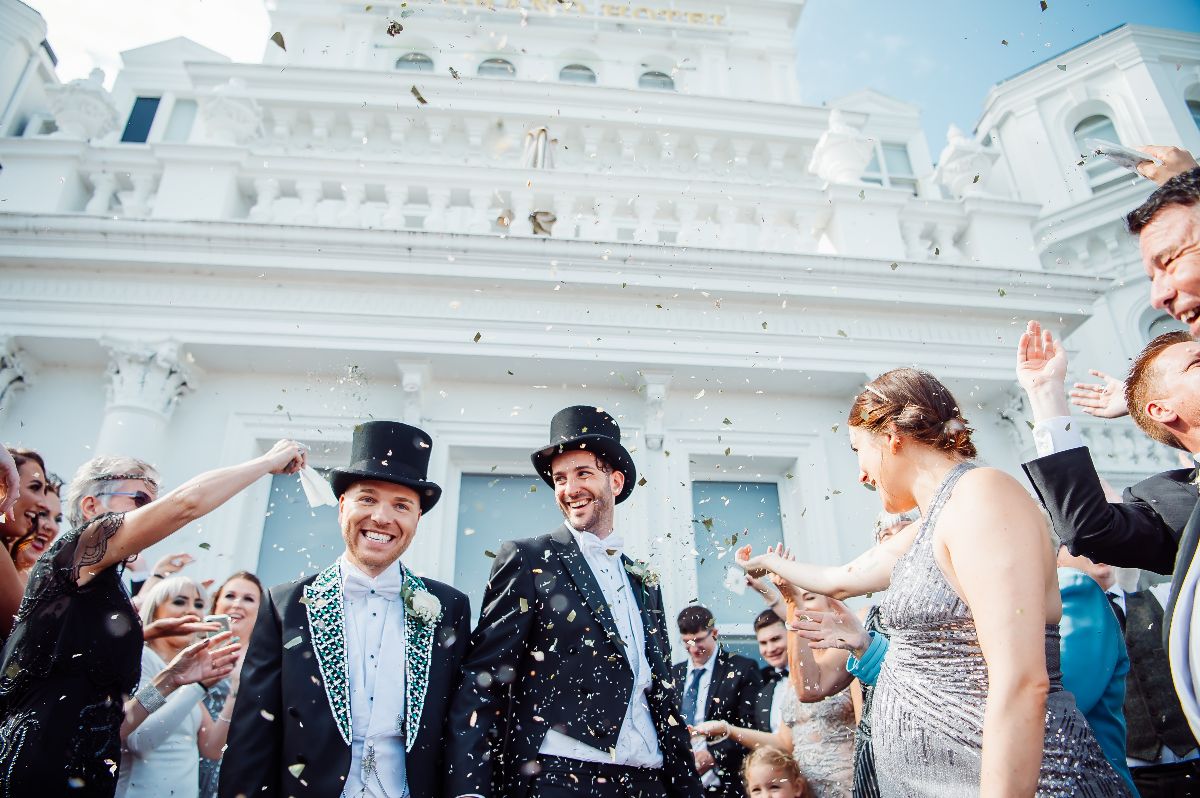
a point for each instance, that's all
(1156, 526)
(766, 695)
(546, 654)
(732, 696)
(286, 738)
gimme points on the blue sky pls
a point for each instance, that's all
(943, 56)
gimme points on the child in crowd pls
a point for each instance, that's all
(770, 773)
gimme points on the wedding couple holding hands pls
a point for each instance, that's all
(366, 680)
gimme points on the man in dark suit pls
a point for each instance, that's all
(715, 685)
(566, 689)
(772, 647)
(349, 674)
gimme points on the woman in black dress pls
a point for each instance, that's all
(74, 653)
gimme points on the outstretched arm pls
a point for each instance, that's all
(1104, 399)
(194, 499)
(870, 572)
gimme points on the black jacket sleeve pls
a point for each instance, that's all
(254, 750)
(478, 715)
(1132, 534)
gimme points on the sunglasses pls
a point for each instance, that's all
(140, 498)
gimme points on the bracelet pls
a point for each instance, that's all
(223, 719)
(150, 698)
(157, 575)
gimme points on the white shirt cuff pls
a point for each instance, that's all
(1056, 434)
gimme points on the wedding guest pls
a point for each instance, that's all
(237, 598)
(20, 528)
(350, 672)
(75, 651)
(46, 527)
(715, 684)
(160, 755)
(567, 673)
(10, 481)
(968, 698)
(770, 773)
(771, 635)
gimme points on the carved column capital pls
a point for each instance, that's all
(14, 372)
(146, 376)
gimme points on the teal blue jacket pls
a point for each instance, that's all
(1094, 663)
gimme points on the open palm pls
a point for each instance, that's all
(1041, 360)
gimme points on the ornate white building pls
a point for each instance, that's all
(512, 206)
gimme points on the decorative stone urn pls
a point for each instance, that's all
(964, 165)
(843, 152)
(83, 109)
(228, 116)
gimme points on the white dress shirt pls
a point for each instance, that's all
(781, 688)
(375, 639)
(709, 779)
(1056, 434)
(637, 742)
(160, 756)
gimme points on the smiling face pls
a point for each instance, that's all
(1170, 246)
(239, 599)
(1174, 398)
(21, 519)
(379, 520)
(767, 781)
(48, 522)
(879, 470)
(772, 644)
(188, 602)
(584, 491)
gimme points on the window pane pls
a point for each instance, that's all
(656, 80)
(577, 73)
(1095, 127)
(497, 67)
(492, 509)
(179, 126)
(1163, 324)
(896, 158)
(297, 540)
(414, 62)
(726, 516)
(1194, 108)
(873, 169)
(140, 119)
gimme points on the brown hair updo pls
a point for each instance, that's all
(913, 403)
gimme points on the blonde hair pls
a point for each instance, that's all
(778, 761)
(165, 591)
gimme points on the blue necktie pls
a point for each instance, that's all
(689, 697)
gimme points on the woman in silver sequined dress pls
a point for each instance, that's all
(970, 698)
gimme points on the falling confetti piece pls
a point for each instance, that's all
(699, 395)
(394, 27)
(895, 266)
(417, 93)
(296, 769)
(1068, 426)
(571, 615)
(842, 333)
(1004, 42)
(524, 604)
(1001, 292)
(489, 553)
(975, 179)
(790, 475)
(727, 451)
(477, 337)
(1062, 67)
(764, 325)
(1044, 5)
(277, 37)
(708, 523)
(726, 422)
(266, 715)
(1029, 423)
(205, 546)
(862, 194)
(835, 427)
(454, 74)
(295, 641)
(642, 482)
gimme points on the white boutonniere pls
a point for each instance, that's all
(424, 606)
(643, 571)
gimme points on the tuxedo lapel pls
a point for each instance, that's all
(418, 654)
(585, 582)
(326, 622)
(715, 682)
(1187, 552)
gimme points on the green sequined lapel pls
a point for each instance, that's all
(326, 622)
(418, 652)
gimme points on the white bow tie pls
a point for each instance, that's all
(611, 545)
(386, 585)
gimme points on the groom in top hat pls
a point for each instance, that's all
(566, 689)
(350, 673)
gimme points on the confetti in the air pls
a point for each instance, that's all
(417, 93)
(277, 37)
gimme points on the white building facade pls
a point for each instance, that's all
(504, 209)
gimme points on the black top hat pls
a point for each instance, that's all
(389, 452)
(590, 429)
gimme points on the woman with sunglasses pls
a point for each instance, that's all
(75, 651)
(969, 700)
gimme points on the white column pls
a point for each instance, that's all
(145, 382)
(13, 374)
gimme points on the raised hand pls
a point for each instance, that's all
(1102, 400)
(10, 482)
(1174, 161)
(838, 628)
(710, 729)
(206, 662)
(286, 457)
(172, 627)
(172, 563)
(1041, 360)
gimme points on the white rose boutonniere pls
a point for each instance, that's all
(424, 606)
(643, 571)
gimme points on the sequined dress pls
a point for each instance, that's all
(823, 742)
(73, 655)
(927, 713)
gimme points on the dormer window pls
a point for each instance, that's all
(1101, 173)
(496, 68)
(414, 62)
(577, 73)
(660, 81)
(891, 167)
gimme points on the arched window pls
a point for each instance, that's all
(414, 62)
(656, 80)
(576, 73)
(1101, 172)
(497, 68)
(1163, 323)
(1194, 107)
